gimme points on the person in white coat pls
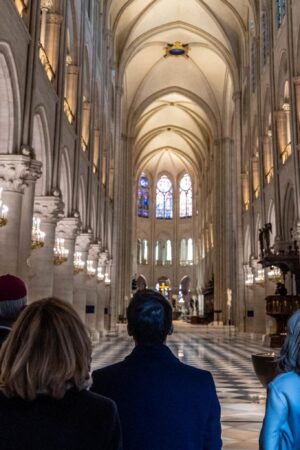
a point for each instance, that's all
(281, 425)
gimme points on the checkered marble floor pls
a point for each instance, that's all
(227, 355)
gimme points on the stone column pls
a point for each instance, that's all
(110, 303)
(297, 89)
(41, 260)
(85, 133)
(15, 170)
(52, 38)
(91, 293)
(82, 245)
(26, 220)
(281, 130)
(67, 229)
(45, 6)
(96, 149)
(72, 86)
(101, 298)
(268, 158)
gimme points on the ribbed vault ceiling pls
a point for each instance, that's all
(174, 107)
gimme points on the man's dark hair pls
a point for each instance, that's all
(149, 317)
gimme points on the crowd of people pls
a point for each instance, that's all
(49, 400)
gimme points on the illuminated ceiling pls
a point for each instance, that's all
(178, 103)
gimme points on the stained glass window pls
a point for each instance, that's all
(164, 198)
(265, 36)
(186, 196)
(281, 10)
(143, 196)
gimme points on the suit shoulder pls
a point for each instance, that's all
(202, 375)
(107, 370)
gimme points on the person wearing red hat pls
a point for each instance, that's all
(13, 298)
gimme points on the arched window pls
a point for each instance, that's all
(143, 196)
(183, 252)
(168, 252)
(186, 197)
(139, 251)
(190, 251)
(164, 198)
(145, 252)
(157, 253)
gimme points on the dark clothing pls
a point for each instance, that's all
(4, 332)
(163, 403)
(79, 421)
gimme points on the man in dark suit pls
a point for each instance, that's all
(163, 403)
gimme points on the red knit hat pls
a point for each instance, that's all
(11, 288)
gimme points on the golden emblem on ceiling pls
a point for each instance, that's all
(176, 49)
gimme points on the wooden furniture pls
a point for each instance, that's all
(281, 308)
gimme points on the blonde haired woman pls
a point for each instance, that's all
(44, 375)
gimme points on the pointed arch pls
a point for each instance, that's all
(289, 213)
(65, 180)
(10, 109)
(42, 150)
(82, 200)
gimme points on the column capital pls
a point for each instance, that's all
(103, 258)
(68, 227)
(73, 69)
(54, 18)
(94, 252)
(280, 114)
(17, 170)
(48, 208)
(223, 140)
(236, 96)
(46, 4)
(83, 241)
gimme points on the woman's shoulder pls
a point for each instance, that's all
(285, 379)
(92, 400)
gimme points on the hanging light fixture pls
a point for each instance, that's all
(249, 277)
(107, 279)
(60, 252)
(37, 236)
(274, 273)
(90, 269)
(3, 211)
(78, 263)
(100, 274)
(260, 277)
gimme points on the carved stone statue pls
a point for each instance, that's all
(261, 240)
(267, 230)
